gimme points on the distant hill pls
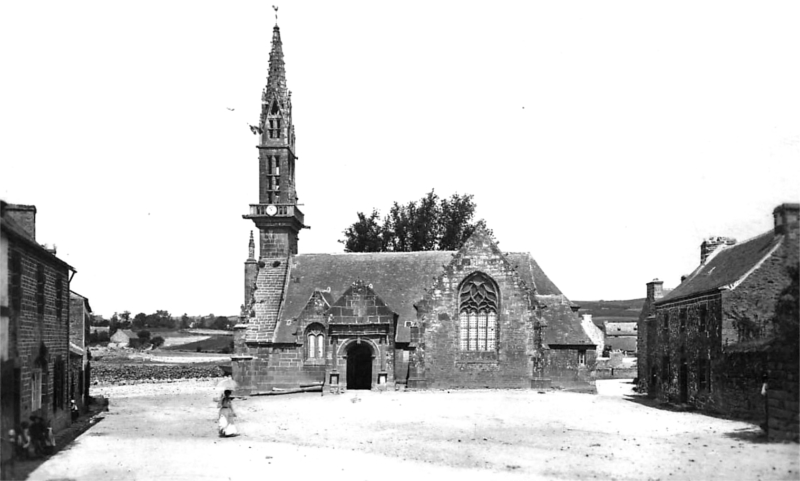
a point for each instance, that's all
(627, 310)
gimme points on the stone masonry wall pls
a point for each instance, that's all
(440, 362)
(29, 331)
(685, 343)
(565, 370)
(783, 394)
(268, 296)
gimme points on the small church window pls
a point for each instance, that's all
(312, 345)
(478, 300)
(581, 357)
(315, 342)
(320, 346)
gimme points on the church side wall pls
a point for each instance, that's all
(445, 365)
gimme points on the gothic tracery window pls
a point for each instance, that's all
(477, 313)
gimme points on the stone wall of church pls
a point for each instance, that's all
(281, 366)
(440, 360)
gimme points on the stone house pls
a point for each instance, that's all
(704, 343)
(476, 317)
(35, 325)
(122, 338)
(621, 336)
(80, 314)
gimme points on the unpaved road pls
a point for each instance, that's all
(168, 431)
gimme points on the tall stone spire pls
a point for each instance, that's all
(276, 82)
(276, 215)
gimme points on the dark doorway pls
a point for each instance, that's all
(683, 382)
(359, 367)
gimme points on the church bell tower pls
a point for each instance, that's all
(276, 215)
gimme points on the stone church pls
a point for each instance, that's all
(471, 318)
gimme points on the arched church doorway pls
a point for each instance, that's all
(359, 366)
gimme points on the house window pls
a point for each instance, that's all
(702, 375)
(59, 297)
(315, 342)
(478, 303)
(665, 325)
(59, 377)
(581, 358)
(703, 318)
(40, 280)
(36, 390)
(682, 319)
(15, 269)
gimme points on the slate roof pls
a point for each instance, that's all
(12, 228)
(726, 266)
(623, 343)
(563, 325)
(399, 278)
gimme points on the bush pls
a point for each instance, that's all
(157, 341)
(227, 349)
(143, 335)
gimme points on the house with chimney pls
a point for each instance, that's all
(35, 329)
(708, 342)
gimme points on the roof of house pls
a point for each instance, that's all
(127, 332)
(623, 343)
(399, 278)
(12, 228)
(563, 325)
(85, 300)
(725, 267)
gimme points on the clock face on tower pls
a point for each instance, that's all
(271, 210)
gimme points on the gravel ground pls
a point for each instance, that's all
(167, 431)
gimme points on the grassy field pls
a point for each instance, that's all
(205, 344)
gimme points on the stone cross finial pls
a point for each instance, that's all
(276, 13)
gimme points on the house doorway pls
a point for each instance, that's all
(359, 366)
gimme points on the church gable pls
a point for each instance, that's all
(360, 305)
(477, 321)
(289, 331)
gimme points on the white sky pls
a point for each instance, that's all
(606, 138)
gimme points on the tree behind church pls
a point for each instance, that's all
(431, 223)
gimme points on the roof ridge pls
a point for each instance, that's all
(755, 237)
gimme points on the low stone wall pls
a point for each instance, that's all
(105, 373)
(783, 395)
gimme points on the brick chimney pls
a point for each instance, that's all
(655, 290)
(25, 216)
(786, 219)
(713, 243)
